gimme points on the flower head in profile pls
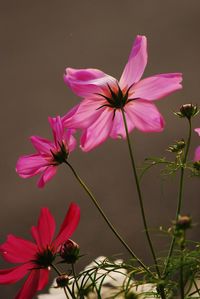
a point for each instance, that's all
(35, 258)
(49, 154)
(99, 114)
(197, 151)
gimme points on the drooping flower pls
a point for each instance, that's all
(35, 259)
(99, 114)
(49, 153)
(197, 151)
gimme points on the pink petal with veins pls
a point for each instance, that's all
(136, 64)
(30, 165)
(46, 176)
(156, 87)
(145, 116)
(85, 82)
(99, 131)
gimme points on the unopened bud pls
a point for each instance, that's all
(188, 110)
(177, 147)
(62, 281)
(183, 222)
(196, 165)
(69, 251)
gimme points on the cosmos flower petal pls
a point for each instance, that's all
(30, 165)
(86, 113)
(136, 63)
(145, 116)
(44, 231)
(57, 129)
(71, 140)
(85, 82)
(44, 277)
(69, 225)
(30, 286)
(17, 250)
(197, 130)
(197, 154)
(156, 87)
(99, 131)
(47, 175)
(13, 275)
(118, 129)
(42, 145)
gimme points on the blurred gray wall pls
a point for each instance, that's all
(38, 40)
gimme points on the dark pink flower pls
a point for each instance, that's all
(197, 151)
(35, 259)
(49, 153)
(100, 112)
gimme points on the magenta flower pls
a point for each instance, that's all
(197, 151)
(100, 112)
(49, 154)
(35, 259)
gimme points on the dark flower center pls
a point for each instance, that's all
(61, 155)
(45, 258)
(117, 99)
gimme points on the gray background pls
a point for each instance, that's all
(38, 40)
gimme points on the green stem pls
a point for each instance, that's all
(106, 219)
(75, 277)
(180, 194)
(60, 274)
(181, 268)
(139, 193)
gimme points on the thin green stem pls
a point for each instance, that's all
(139, 193)
(75, 277)
(106, 219)
(60, 274)
(180, 194)
(181, 268)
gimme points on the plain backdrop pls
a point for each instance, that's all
(38, 40)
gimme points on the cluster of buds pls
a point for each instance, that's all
(69, 252)
(188, 111)
(177, 147)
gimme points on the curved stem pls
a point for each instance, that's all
(65, 291)
(139, 193)
(180, 194)
(106, 219)
(75, 277)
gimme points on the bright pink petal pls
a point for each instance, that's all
(156, 87)
(145, 116)
(17, 250)
(136, 63)
(57, 128)
(85, 82)
(30, 165)
(197, 130)
(47, 175)
(69, 225)
(44, 231)
(197, 154)
(44, 277)
(70, 140)
(118, 129)
(42, 145)
(99, 131)
(86, 113)
(12, 275)
(30, 286)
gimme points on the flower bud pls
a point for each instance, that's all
(183, 222)
(177, 147)
(69, 251)
(62, 281)
(188, 110)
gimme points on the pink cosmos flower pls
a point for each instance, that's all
(35, 259)
(197, 151)
(100, 112)
(49, 153)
